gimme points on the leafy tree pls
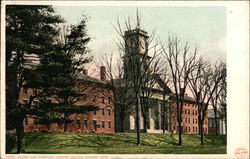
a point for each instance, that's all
(57, 78)
(30, 31)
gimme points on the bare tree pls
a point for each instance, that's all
(214, 104)
(204, 81)
(135, 44)
(181, 62)
(223, 95)
(149, 87)
(215, 100)
(123, 98)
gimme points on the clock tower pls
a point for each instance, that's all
(136, 48)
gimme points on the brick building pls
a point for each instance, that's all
(189, 117)
(95, 92)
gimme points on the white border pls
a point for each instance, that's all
(237, 60)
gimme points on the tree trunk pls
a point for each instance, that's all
(179, 123)
(163, 123)
(202, 141)
(163, 112)
(65, 126)
(20, 136)
(226, 124)
(122, 122)
(202, 138)
(145, 123)
(201, 132)
(65, 123)
(180, 131)
(138, 103)
(216, 122)
(48, 126)
(144, 105)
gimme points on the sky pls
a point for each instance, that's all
(202, 26)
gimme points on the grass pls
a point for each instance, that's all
(90, 143)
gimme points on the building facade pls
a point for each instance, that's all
(95, 92)
(189, 118)
(221, 122)
(158, 115)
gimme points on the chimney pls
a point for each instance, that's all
(103, 73)
(182, 91)
(85, 71)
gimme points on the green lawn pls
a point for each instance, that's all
(84, 143)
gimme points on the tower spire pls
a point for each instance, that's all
(138, 19)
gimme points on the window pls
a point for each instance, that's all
(185, 120)
(25, 101)
(94, 125)
(94, 112)
(94, 99)
(85, 98)
(77, 123)
(188, 111)
(103, 111)
(25, 120)
(193, 120)
(102, 100)
(193, 112)
(193, 129)
(188, 129)
(109, 100)
(35, 91)
(196, 112)
(188, 120)
(25, 90)
(109, 124)
(85, 123)
(109, 112)
(35, 103)
(35, 122)
(185, 111)
(103, 124)
(196, 129)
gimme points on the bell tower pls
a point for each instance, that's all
(136, 49)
